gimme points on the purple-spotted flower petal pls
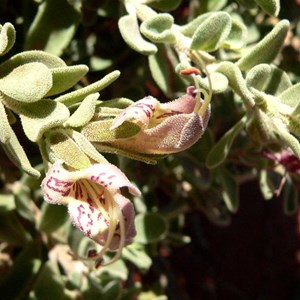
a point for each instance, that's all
(95, 203)
(166, 127)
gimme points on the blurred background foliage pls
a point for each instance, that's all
(202, 234)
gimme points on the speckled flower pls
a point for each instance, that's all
(95, 204)
(165, 127)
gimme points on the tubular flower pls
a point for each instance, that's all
(165, 127)
(95, 204)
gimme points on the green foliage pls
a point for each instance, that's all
(231, 51)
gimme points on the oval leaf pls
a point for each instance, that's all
(158, 29)
(7, 37)
(151, 227)
(40, 116)
(130, 32)
(78, 95)
(211, 33)
(84, 112)
(271, 7)
(261, 53)
(61, 146)
(66, 77)
(33, 80)
(49, 60)
(52, 28)
(220, 150)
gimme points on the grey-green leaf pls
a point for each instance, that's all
(66, 77)
(267, 49)
(53, 28)
(291, 96)
(4, 125)
(211, 33)
(190, 28)
(236, 81)
(237, 36)
(78, 95)
(40, 116)
(7, 37)
(158, 29)
(220, 150)
(62, 146)
(271, 7)
(257, 76)
(129, 29)
(84, 112)
(49, 60)
(16, 153)
(27, 83)
(165, 5)
(99, 131)
(84, 144)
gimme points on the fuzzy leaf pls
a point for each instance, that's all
(211, 33)
(61, 146)
(120, 103)
(99, 131)
(269, 79)
(7, 37)
(164, 5)
(220, 150)
(267, 49)
(78, 95)
(49, 60)
(219, 82)
(129, 29)
(84, 144)
(291, 95)
(5, 128)
(190, 28)
(27, 83)
(257, 76)
(40, 116)
(271, 7)
(16, 153)
(158, 29)
(247, 3)
(277, 82)
(84, 112)
(236, 81)
(52, 28)
(237, 36)
(66, 77)
(146, 158)
(290, 141)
